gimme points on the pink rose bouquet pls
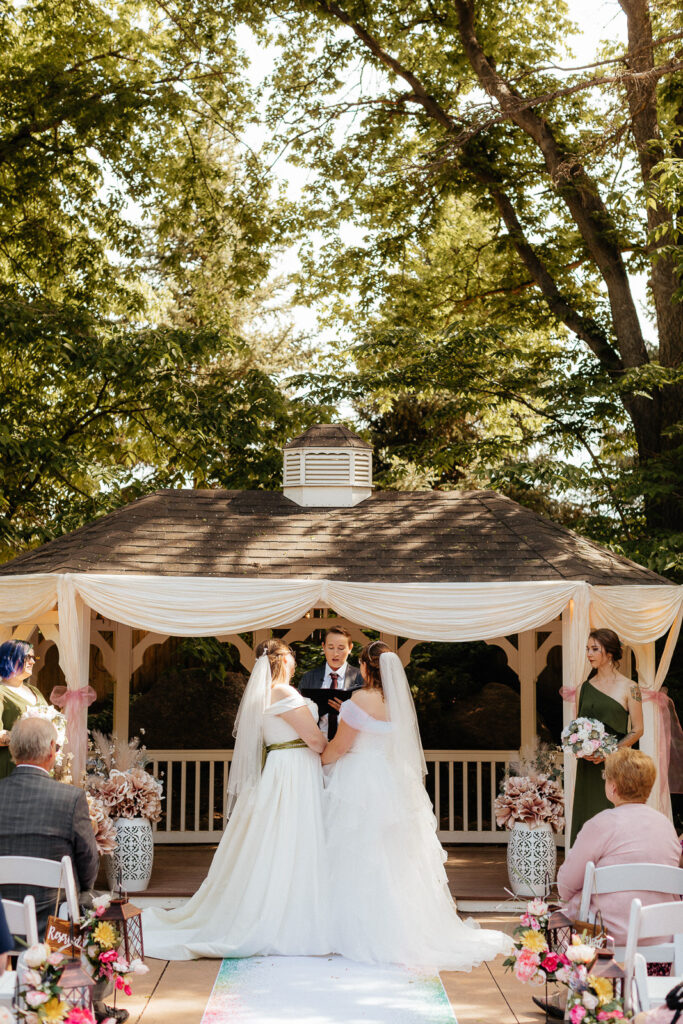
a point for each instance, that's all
(587, 737)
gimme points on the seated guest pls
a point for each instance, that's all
(40, 817)
(6, 944)
(630, 832)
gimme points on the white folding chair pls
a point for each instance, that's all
(21, 919)
(629, 878)
(51, 874)
(640, 991)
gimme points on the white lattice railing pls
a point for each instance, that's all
(462, 785)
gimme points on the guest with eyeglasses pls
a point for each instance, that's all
(17, 661)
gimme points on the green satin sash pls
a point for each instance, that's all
(290, 744)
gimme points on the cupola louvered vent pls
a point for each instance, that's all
(328, 465)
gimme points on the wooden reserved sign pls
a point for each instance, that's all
(58, 936)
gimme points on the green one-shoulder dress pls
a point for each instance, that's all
(589, 789)
(12, 707)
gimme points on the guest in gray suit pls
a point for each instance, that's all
(43, 818)
(335, 671)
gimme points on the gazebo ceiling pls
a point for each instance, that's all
(393, 537)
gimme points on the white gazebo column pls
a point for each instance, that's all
(526, 672)
(123, 668)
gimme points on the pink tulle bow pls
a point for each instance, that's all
(77, 738)
(568, 692)
(671, 750)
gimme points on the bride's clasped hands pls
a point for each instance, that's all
(274, 883)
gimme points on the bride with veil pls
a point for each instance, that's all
(266, 891)
(396, 907)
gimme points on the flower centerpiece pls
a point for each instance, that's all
(101, 948)
(41, 998)
(131, 796)
(590, 999)
(532, 960)
(587, 737)
(531, 805)
(62, 768)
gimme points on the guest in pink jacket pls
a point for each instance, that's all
(628, 833)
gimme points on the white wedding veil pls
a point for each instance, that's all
(406, 733)
(245, 770)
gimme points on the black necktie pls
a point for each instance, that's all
(334, 677)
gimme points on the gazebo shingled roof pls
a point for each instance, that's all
(393, 537)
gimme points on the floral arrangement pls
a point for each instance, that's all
(117, 777)
(41, 999)
(532, 960)
(103, 826)
(62, 768)
(532, 799)
(587, 737)
(591, 999)
(101, 942)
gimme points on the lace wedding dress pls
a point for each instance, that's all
(266, 891)
(391, 900)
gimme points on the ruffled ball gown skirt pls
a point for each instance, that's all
(267, 889)
(391, 902)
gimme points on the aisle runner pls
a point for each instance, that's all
(324, 990)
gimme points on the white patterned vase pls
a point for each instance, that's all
(532, 859)
(130, 865)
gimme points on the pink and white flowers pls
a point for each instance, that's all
(532, 799)
(587, 737)
(532, 960)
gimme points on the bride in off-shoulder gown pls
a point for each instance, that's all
(395, 906)
(266, 890)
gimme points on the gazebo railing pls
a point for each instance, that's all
(462, 785)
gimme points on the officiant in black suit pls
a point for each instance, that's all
(335, 672)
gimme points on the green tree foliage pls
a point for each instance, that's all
(502, 201)
(136, 239)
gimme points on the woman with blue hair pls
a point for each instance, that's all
(16, 694)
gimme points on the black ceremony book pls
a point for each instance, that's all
(321, 696)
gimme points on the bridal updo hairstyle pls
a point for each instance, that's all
(369, 657)
(276, 651)
(610, 643)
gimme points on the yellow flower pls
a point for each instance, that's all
(53, 1011)
(602, 988)
(105, 935)
(534, 941)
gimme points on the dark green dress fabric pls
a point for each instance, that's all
(589, 790)
(12, 707)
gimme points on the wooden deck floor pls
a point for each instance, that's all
(177, 993)
(475, 873)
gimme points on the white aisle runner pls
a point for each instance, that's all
(324, 990)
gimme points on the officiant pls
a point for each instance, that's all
(334, 673)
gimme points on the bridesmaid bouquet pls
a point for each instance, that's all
(587, 737)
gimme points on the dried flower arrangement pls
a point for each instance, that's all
(103, 826)
(117, 777)
(532, 793)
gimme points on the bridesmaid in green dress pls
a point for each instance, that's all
(16, 694)
(613, 699)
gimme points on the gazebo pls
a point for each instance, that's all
(415, 566)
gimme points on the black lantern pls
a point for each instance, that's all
(606, 966)
(128, 920)
(559, 931)
(76, 985)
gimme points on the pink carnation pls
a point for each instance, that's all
(577, 1013)
(550, 963)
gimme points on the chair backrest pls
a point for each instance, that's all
(52, 874)
(21, 918)
(649, 923)
(628, 877)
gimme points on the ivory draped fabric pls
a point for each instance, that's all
(212, 606)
